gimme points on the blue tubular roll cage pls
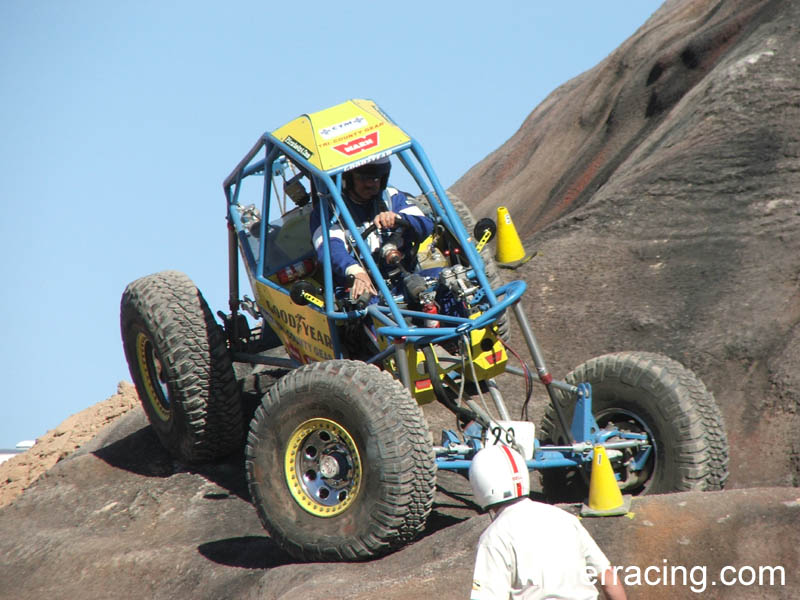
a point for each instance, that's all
(393, 321)
(391, 315)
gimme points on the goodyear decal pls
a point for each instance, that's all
(372, 158)
(298, 147)
(304, 332)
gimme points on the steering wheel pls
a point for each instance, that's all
(399, 223)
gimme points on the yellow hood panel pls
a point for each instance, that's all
(348, 134)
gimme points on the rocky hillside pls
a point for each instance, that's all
(120, 519)
(660, 190)
(663, 187)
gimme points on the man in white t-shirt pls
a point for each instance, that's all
(531, 550)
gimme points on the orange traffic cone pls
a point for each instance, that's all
(605, 499)
(509, 253)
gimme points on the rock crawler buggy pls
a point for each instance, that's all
(339, 459)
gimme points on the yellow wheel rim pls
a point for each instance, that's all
(152, 374)
(322, 467)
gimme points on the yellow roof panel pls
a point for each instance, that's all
(343, 134)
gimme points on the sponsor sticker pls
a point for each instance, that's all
(342, 137)
(304, 332)
(298, 147)
(364, 161)
(339, 129)
(358, 145)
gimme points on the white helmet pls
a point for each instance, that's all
(498, 474)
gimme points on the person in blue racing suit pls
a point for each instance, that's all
(370, 202)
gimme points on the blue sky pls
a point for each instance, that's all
(120, 121)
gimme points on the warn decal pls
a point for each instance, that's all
(357, 145)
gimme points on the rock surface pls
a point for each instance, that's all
(119, 518)
(661, 187)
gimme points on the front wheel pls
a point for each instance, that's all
(340, 463)
(648, 394)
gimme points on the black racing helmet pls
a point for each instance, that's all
(376, 168)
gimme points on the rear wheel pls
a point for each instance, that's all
(339, 462)
(180, 365)
(649, 394)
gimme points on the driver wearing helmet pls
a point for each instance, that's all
(370, 202)
(531, 550)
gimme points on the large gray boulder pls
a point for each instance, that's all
(121, 519)
(662, 187)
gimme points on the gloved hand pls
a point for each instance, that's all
(362, 285)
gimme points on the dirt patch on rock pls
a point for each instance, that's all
(20, 471)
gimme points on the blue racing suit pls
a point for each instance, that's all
(342, 261)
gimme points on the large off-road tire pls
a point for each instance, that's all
(489, 264)
(180, 364)
(340, 463)
(653, 394)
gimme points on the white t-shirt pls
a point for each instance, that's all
(536, 551)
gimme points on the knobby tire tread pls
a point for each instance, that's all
(408, 462)
(178, 320)
(701, 452)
